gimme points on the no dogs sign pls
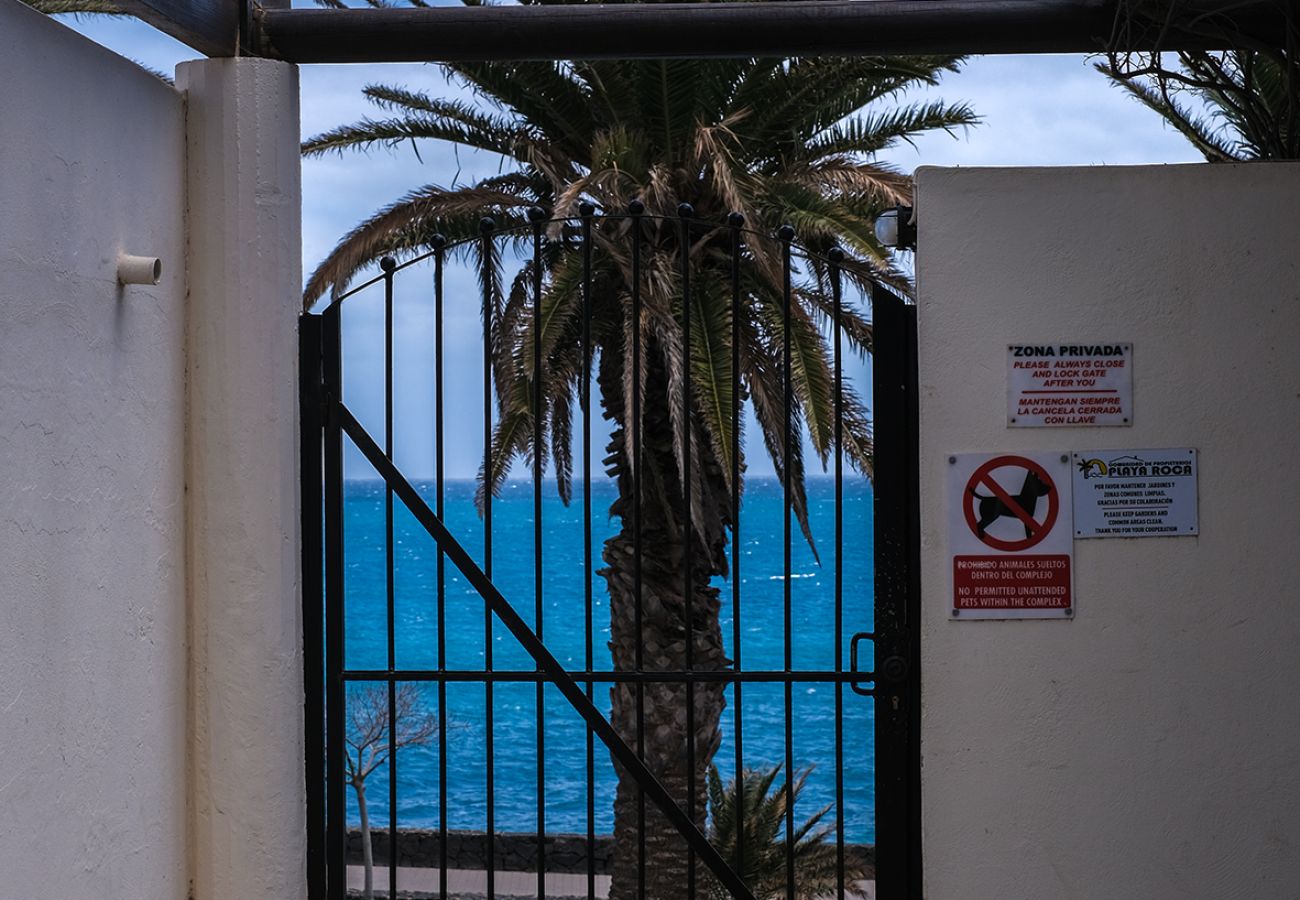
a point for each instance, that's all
(1009, 533)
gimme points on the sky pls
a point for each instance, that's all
(1048, 110)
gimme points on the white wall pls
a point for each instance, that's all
(92, 529)
(249, 837)
(1150, 747)
(151, 694)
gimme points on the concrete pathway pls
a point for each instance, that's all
(473, 883)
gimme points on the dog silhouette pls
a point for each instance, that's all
(992, 508)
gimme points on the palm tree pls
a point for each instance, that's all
(775, 141)
(747, 825)
(772, 141)
(1235, 105)
(1251, 102)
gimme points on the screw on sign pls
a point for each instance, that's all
(1031, 509)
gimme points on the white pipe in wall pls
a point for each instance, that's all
(138, 269)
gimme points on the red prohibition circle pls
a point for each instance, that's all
(981, 478)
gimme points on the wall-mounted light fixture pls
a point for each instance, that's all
(138, 269)
(897, 228)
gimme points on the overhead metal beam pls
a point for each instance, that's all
(725, 29)
(208, 26)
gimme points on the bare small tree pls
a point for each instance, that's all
(369, 745)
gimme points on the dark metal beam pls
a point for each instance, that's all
(209, 26)
(726, 29)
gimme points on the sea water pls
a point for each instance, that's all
(563, 629)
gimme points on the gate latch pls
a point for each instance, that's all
(856, 685)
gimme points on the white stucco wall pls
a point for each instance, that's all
(1150, 747)
(246, 699)
(150, 662)
(92, 529)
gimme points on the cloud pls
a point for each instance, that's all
(1049, 110)
(1036, 110)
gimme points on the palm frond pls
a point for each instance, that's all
(1249, 93)
(714, 388)
(560, 401)
(633, 374)
(763, 375)
(822, 221)
(561, 304)
(834, 177)
(668, 340)
(747, 820)
(811, 94)
(392, 132)
(540, 93)
(1203, 135)
(408, 225)
(871, 133)
(511, 440)
(715, 153)
(813, 381)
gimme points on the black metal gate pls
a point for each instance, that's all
(753, 319)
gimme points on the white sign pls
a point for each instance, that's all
(1135, 493)
(1069, 384)
(1009, 518)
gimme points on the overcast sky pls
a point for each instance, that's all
(1036, 110)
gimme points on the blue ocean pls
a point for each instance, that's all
(515, 732)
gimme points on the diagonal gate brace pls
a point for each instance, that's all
(577, 698)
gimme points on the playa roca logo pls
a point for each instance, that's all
(1133, 467)
(1092, 468)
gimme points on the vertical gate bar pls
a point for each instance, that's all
(587, 210)
(685, 212)
(439, 243)
(388, 264)
(836, 256)
(912, 607)
(897, 598)
(335, 721)
(310, 402)
(538, 217)
(486, 226)
(787, 234)
(736, 220)
(890, 421)
(636, 208)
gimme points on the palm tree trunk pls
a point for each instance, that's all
(654, 714)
